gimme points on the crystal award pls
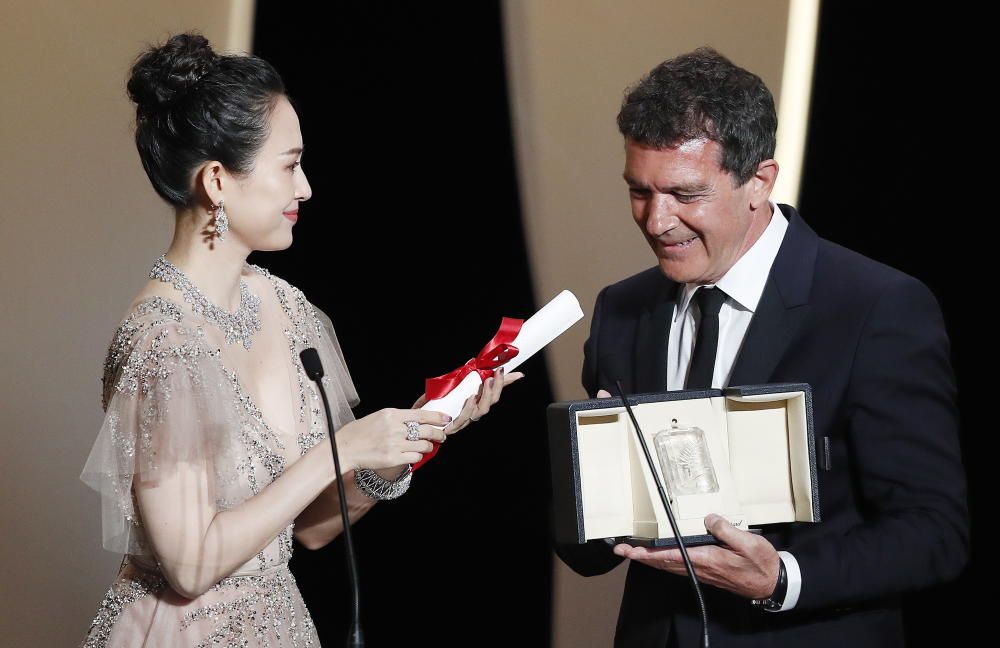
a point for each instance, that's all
(685, 461)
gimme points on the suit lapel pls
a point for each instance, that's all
(651, 336)
(783, 305)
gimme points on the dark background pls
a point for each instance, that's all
(894, 169)
(415, 226)
(405, 117)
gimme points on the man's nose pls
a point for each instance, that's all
(662, 216)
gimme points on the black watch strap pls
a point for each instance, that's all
(774, 602)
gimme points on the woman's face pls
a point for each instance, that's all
(263, 206)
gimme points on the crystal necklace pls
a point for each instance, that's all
(238, 327)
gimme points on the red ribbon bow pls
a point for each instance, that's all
(496, 352)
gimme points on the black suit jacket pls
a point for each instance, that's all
(871, 341)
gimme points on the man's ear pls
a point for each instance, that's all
(762, 183)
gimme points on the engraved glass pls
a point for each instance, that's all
(685, 461)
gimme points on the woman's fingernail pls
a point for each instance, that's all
(447, 419)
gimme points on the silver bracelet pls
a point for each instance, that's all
(377, 487)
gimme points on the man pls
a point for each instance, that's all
(787, 306)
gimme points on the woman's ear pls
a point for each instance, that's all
(210, 181)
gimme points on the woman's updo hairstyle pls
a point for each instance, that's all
(193, 105)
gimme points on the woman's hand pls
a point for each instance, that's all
(379, 440)
(477, 406)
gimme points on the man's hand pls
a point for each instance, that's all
(745, 564)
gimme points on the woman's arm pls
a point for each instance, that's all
(321, 521)
(196, 545)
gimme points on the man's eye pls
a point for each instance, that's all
(638, 193)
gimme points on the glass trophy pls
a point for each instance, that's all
(685, 461)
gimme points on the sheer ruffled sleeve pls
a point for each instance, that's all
(337, 375)
(175, 416)
(168, 404)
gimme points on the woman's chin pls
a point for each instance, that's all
(280, 241)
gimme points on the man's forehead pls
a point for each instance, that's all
(691, 157)
(695, 147)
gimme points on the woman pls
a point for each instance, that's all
(214, 451)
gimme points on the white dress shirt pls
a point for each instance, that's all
(743, 285)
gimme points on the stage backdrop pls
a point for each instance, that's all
(425, 164)
(80, 227)
(569, 63)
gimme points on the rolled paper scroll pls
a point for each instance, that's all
(551, 321)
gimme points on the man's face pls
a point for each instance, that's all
(697, 223)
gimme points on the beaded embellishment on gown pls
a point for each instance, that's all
(171, 398)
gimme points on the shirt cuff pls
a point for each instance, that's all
(794, 581)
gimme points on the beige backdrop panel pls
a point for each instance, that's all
(79, 228)
(569, 62)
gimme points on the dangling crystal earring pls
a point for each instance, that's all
(221, 221)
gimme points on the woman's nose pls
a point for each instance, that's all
(303, 191)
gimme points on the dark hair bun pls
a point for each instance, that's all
(193, 105)
(162, 75)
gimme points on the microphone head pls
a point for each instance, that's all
(311, 363)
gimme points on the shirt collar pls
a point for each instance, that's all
(744, 283)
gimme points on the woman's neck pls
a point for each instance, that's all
(213, 266)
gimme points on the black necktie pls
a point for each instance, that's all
(707, 341)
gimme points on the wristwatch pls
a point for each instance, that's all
(774, 602)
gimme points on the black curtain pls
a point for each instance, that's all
(405, 117)
(412, 243)
(894, 170)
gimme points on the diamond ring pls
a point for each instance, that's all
(413, 431)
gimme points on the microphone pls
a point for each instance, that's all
(312, 364)
(314, 369)
(670, 517)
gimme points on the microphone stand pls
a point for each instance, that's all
(670, 517)
(314, 369)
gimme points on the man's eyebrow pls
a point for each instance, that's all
(292, 151)
(693, 188)
(683, 188)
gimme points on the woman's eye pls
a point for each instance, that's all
(294, 166)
